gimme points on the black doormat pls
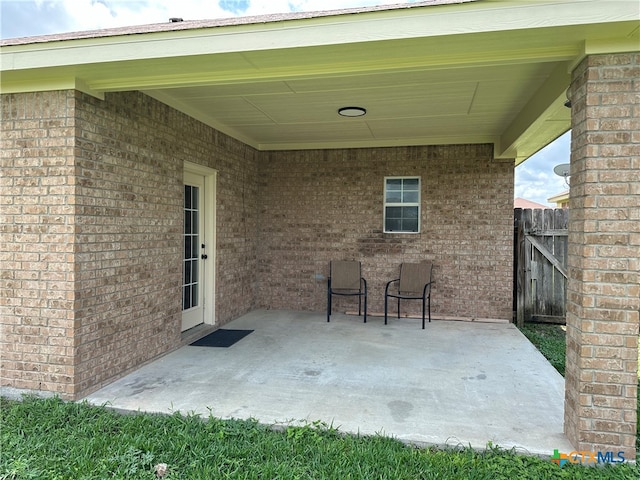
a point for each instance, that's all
(221, 338)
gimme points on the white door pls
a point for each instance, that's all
(195, 252)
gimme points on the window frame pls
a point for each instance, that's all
(417, 204)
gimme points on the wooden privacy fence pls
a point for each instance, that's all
(540, 265)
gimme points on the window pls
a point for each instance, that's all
(402, 204)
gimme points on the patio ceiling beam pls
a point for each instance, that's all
(330, 70)
(39, 83)
(544, 115)
(312, 62)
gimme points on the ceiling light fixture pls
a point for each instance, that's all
(351, 111)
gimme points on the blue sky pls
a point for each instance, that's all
(534, 179)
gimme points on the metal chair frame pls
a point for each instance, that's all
(425, 297)
(361, 292)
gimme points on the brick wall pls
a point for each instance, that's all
(128, 234)
(93, 230)
(323, 205)
(603, 292)
(37, 278)
(237, 227)
(131, 154)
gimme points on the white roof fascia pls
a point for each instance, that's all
(441, 20)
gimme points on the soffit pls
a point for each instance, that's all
(422, 81)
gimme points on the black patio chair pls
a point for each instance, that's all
(345, 278)
(414, 284)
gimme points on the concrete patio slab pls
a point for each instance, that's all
(454, 383)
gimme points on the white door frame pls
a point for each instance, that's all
(209, 230)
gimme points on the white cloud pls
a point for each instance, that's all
(535, 180)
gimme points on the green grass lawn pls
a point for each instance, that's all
(551, 341)
(51, 439)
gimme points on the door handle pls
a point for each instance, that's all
(203, 256)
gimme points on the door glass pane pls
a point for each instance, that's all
(187, 197)
(191, 248)
(194, 221)
(194, 202)
(194, 297)
(194, 246)
(186, 297)
(187, 248)
(187, 221)
(186, 273)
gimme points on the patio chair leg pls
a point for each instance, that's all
(423, 302)
(365, 308)
(328, 305)
(386, 303)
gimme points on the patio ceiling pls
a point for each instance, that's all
(430, 73)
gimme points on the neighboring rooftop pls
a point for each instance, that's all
(560, 199)
(524, 203)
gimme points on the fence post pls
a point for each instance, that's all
(519, 280)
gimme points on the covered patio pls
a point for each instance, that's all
(170, 175)
(455, 383)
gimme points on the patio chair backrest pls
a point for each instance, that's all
(414, 276)
(345, 275)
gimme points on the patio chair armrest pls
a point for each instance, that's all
(427, 285)
(386, 289)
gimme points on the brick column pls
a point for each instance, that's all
(603, 300)
(37, 241)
